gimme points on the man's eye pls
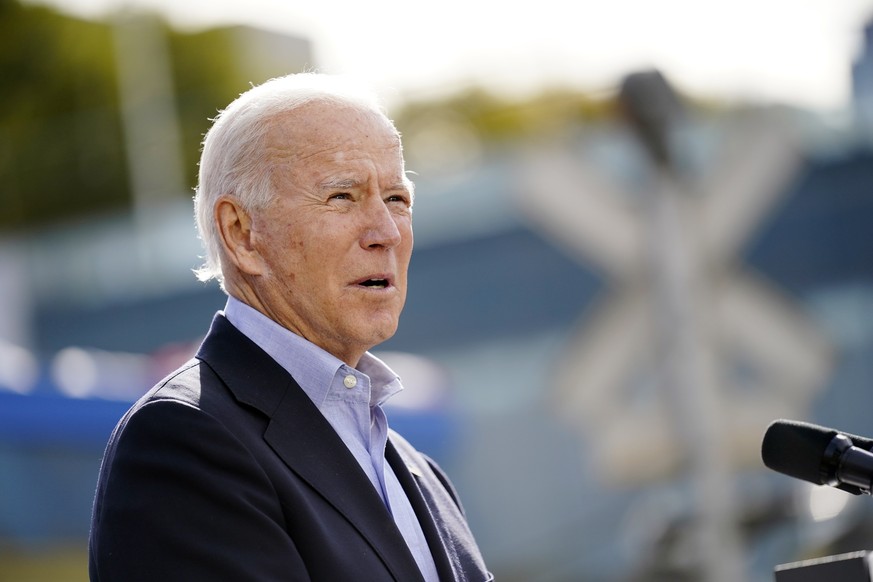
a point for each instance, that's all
(340, 196)
(397, 198)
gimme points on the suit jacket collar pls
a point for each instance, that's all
(305, 441)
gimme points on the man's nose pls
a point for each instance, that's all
(379, 226)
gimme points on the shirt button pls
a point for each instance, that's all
(350, 381)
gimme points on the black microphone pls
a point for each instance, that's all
(820, 455)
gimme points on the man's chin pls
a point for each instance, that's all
(381, 331)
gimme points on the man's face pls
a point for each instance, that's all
(337, 240)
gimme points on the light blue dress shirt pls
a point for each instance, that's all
(351, 400)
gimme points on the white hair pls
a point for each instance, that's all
(232, 161)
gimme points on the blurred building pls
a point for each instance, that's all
(494, 299)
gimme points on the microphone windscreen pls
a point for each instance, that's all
(796, 449)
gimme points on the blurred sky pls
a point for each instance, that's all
(790, 51)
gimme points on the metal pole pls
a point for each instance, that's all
(691, 373)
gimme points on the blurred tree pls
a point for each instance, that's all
(207, 77)
(496, 118)
(60, 137)
(61, 146)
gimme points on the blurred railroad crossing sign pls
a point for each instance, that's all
(772, 357)
(689, 356)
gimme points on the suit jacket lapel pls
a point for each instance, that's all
(422, 509)
(311, 448)
(456, 545)
(305, 441)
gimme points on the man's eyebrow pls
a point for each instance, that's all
(351, 183)
(399, 186)
(339, 184)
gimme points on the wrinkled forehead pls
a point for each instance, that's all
(320, 126)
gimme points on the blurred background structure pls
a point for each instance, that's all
(613, 292)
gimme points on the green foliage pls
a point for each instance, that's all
(61, 141)
(206, 79)
(497, 119)
(60, 137)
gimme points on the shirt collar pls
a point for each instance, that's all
(311, 366)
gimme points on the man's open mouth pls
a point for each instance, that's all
(375, 283)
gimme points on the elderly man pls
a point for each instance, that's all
(268, 455)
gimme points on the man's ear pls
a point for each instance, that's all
(237, 237)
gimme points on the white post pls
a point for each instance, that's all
(691, 376)
(150, 121)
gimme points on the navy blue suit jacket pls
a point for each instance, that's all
(226, 470)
